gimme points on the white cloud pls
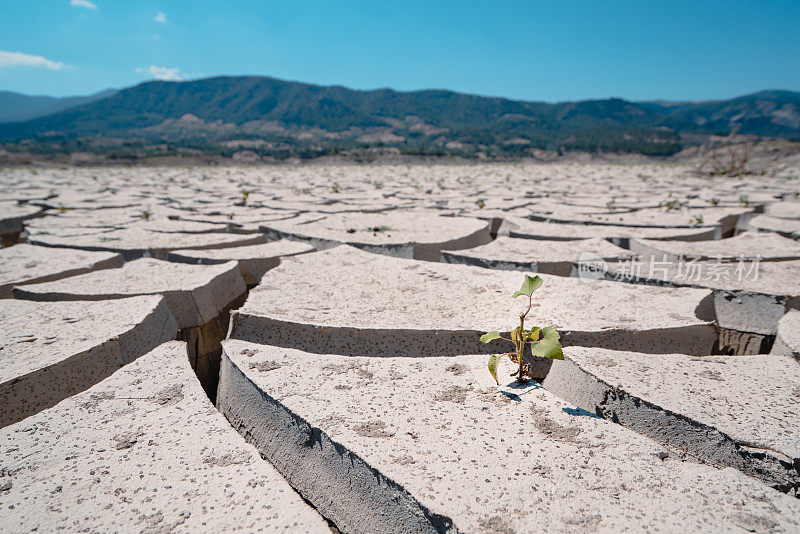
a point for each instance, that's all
(18, 59)
(160, 17)
(82, 3)
(162, 73)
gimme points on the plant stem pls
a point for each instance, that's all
(519, 339)
(520, 345)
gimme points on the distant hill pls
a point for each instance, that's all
(18, 107)
(271, 116)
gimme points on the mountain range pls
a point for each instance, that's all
(268, 116)
(16, 107)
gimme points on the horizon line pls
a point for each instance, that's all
(386, 88)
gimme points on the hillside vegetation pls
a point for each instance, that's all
(268, 116)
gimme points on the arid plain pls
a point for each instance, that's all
(296, 348)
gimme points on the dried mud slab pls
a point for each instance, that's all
(551, 231)
(724, 219)
(786, 209)
(142, 451)
(421, 236)
(767, 246)
(199, 297)
(789, 228)
(12, 217)
(253, 260)
(787, 341)
(135, 243)
(535, 256)
(195, 294)
(733, 412)
(347, 301)
(49, 351)
(750, 296)
(30, 264)
(430, 444)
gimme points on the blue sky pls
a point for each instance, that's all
(534, 50)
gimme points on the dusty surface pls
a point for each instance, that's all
(29, 264)
(388, 299)
(787, 342)
(547, 257)
(404, 234)
(253, 260)
(142, 451)
(51, 350)
(724, 393)
(12, 216)
(389, 421)
(771, 278)
(766, 246)
(765, 223)
(195, 294)
(487, 458)
(135, 243)
(545, 230)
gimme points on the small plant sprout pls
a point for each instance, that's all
(245, 193)
(145, 215)
(670, 205)
(548, 346)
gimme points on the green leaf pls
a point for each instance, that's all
(549, 346)
(493, 361)
(531, 284)
(490, 336)
(533, 335)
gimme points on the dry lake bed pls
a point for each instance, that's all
(296, 349)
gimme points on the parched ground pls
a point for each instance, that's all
(295, 348)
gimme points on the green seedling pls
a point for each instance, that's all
(715, 201)
(611, 205)
(335, 188)
(546, 346)
(695, 220)
(670, 205)
(244, 193)
(145, 215)
(744, 201)
(481, 203)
